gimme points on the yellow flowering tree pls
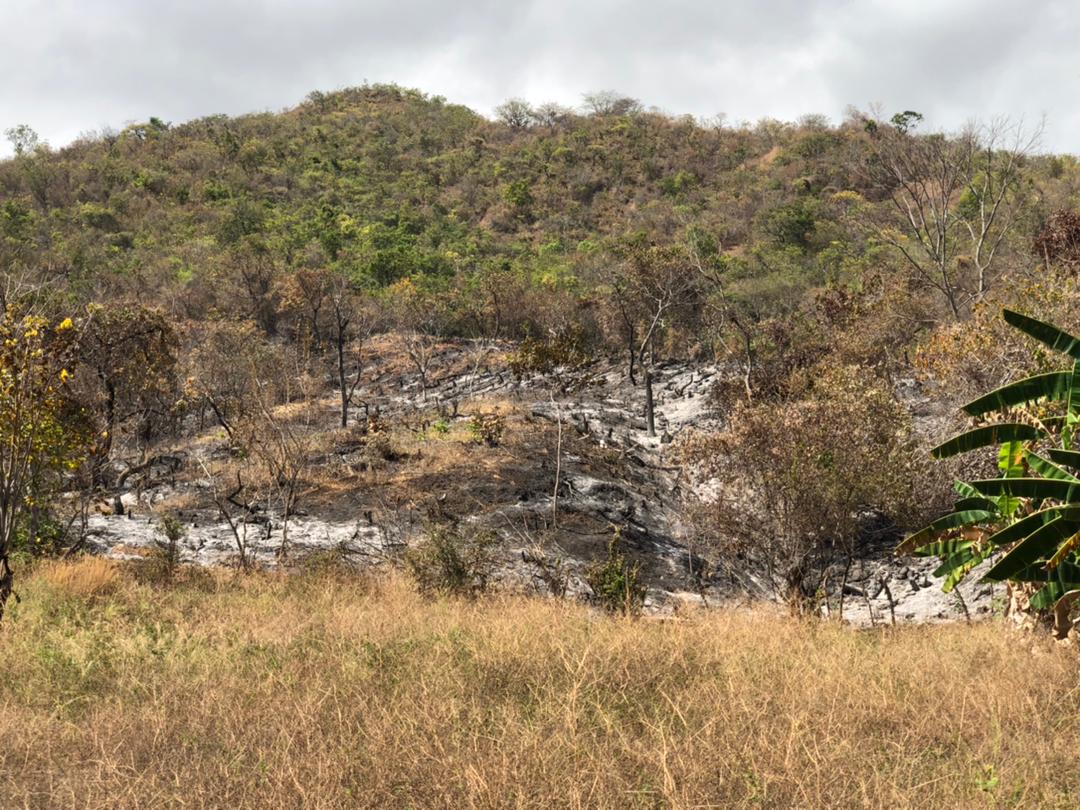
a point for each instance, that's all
(42, 429)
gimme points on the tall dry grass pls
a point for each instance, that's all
(324, 691)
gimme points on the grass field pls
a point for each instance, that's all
(321, 690)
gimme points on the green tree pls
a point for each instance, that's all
(42, 428)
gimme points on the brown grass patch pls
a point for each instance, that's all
(86, 577)
(317, 691)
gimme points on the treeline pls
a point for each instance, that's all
(508, 225)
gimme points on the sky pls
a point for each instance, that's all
(72, 67)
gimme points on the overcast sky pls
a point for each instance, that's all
(71, 66)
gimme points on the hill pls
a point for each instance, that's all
(379, 314)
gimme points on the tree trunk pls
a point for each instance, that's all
(7, 583)
(342, 381)
(650, 410)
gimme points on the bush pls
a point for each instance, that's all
(615, 583)
(453, 560)
(546, 356)
(799, 483)
(487, 428)
(168, 547)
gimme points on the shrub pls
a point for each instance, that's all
(798, 481)
(545, 356)
(487, 428)
(453, 559)
(615, 582)
(1059, 239)
(168, 547)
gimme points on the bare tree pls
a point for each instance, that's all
(646, 286)
(954, 198)
(236, 513)
(608, 102)
(352, 320)
(418, 315)
(515, 113)
(702, 252)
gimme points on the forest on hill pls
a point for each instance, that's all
(176, 278)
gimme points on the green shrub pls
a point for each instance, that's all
(453, 560)
(616, 583)
(487, 428)
(544, 356)
(168, 546)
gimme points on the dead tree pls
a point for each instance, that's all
(955, 198)
(647, 285)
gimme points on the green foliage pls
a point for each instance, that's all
(453, 559)
(389, 184)
(487, 428)
(792, 224)
(544, 356)
(1032, 517)
(168, 547)
(615, 582)
(44, 433)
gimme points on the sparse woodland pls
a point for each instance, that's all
(382, 308)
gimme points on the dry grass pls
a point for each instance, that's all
(326, 691)
(84, 578)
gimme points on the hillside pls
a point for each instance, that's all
(379, 322)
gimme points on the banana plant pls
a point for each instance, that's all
(1027, 519)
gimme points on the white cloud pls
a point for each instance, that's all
(75, 65)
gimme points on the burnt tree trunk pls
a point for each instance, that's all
(342, 382)
(7, 583)
(650, 408)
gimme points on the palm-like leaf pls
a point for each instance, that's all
(1036, 546)
(1055, 385)
(1070, 458)
(1057, 339)
(955, 520)
(1047, 469)
(986, 436)
(1034, 503)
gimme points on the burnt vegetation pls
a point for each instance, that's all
(289, 310)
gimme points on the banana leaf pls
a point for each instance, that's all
(966, 490)
(1073, 404)
(943, 548)
(967, 504)
(1067, 575)
(1037, 488)
(954, 520)
(1047, 469)
(1036, 546)
(984, 437)
(1055, 338)
(1070, 458)
(1011, 460)
(1054, 385)
(1022, 528)
(1051, 594)
(954, 561)
(961, 569)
